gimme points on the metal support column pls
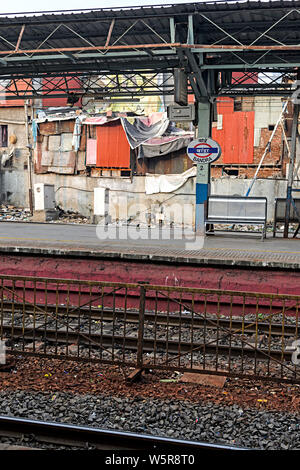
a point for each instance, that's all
(291, 170)
(203, 171)
(29, 158)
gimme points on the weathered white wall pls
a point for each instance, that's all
(13, 174)
(262, 187)
(267, 112)
(14, 187)
(126, 198)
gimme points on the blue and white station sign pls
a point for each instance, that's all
(204, 150)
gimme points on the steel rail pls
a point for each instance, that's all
(131, 343)
(160, 318)
(74, 325)
(69, 434)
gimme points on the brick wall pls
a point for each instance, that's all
(274, 156)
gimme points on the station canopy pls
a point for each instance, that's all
(225, 48)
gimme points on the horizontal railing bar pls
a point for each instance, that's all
(222, 292)
(68, 281)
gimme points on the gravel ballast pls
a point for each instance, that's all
(259, 429)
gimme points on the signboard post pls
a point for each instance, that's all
(202, 151)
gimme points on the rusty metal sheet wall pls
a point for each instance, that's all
(113, 150)
(236, 137)
(173, 163)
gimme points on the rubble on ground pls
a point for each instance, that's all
(252, 228)
(70, 217)
(12, 213)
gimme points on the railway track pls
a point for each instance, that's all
(84, 436)
(198, 320)
(130, 343)
(146, 325)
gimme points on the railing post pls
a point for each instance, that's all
(140, 344)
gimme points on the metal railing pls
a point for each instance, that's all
(238, 210)
(230, 333)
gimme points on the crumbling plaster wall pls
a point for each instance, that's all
(20, 150)
(76, 193)
(13, 179)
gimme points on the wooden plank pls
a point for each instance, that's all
(134, 376)
(203, 379)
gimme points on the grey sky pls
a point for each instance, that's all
(16, 6)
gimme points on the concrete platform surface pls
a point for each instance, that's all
(240, 249)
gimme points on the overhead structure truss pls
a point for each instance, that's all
(133, 51)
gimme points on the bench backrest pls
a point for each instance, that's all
(237, 208)
(280, 204)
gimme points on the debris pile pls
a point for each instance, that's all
(70, 217)
(252, 228)
(12, 213)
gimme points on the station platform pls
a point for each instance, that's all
(84, 241)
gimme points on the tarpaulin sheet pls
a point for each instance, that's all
(164, 145)
(99, 120)
(139, 133)
(91, 151)
(43, 117)
(76, 135)
(167, 183)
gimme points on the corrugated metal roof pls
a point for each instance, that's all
(243, 22)
(93, 25)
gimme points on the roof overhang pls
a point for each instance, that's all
(209, 38)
